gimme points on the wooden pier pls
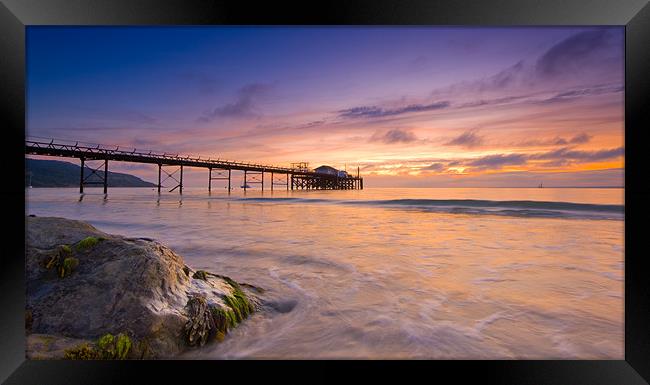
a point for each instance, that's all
(170, 167)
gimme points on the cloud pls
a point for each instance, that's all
(467, 139)
(580, 138)
(571, 53)
(583, 92)
(395, 135)
(378, 112)
(497, 161)
(437, 167)
(557, 141)
(556, 158)
(503, 79)
(242, 107)
(584, 56)
(591, 156)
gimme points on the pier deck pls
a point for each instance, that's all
(218, 169)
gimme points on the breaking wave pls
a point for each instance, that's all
(521, 208)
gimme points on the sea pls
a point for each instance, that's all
(392, 273)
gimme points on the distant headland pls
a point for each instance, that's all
(55, 173)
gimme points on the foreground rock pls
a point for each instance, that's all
(92, 295)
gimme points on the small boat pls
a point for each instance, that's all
(245, 186)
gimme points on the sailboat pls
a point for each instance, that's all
(540, 185)
(30, 180)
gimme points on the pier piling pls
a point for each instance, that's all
(106, 176)
(81, 177)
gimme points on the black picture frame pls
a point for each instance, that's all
(15, 15)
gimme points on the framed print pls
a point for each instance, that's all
(431, 186)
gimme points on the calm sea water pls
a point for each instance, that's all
(393, 273)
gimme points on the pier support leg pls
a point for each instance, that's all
(81, 177)
(106, 176)
(210, 179)
(181, 183)
(245, 181)
(159, 169)
(262, 181)
(229, 181)
(287, 182)
(291, 181)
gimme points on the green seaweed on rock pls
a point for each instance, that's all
(62, 261)
(107, 347)
(201, 274)
(123, 345)
(84, 351)
(52, 261)
(68, 265)
(224, 319)
(88, 243)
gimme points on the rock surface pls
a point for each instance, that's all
(83, 284)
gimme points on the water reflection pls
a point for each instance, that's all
(347, 281)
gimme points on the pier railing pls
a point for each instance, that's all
(299, 177)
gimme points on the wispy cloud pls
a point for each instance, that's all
(571, 53)
(244, 105)
(548, 159)
(437, 167)
(572, 94)
(558, 157)
(468, 139)
(591, 156)
(395, 135)
(497, 161)
(378, 112)
(581, 138)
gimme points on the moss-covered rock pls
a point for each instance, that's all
(61, 260)
(238, 302)
(88, 243)
(83, 351)
(223, 319)
(200, 274)
(107, 347)
(68, 265)
(136, 286)
(123, 346)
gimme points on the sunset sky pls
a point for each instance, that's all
(421, 107)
